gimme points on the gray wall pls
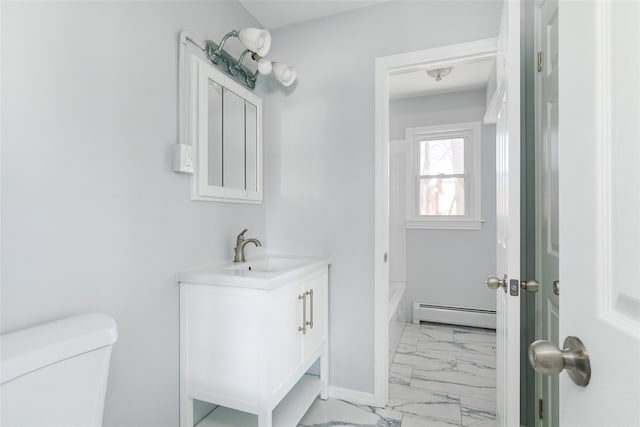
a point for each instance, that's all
(455, 107)
(448, 267)
(319, 152)
(93, 218)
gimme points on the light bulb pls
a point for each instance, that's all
(264, 66)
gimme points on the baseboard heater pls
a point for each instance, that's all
(454, 315)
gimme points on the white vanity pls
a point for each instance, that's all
(249, 333)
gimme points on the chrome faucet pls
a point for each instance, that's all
(241, 242)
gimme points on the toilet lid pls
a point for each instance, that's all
(29, 349)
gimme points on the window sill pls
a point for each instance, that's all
(444, 224)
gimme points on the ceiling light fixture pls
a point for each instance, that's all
(257, 43)
(439, 73)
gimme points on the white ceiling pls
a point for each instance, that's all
(273, 14)
(466, 76)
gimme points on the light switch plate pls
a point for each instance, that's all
(183, 158)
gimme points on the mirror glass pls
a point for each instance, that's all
(233, 166)
(227, 138)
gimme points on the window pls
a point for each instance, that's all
(444, 176)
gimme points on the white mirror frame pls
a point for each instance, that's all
(201, 73)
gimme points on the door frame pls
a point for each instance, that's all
(540, 194)
(385, 67)
(528, 256)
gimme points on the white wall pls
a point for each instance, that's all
(319, 150)
(448, 267)
(93, 218)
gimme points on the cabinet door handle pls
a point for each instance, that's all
(303, 328)
(310, 323)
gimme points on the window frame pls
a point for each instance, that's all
(472, 135)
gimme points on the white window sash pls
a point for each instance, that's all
(471, 134)
(442, 176)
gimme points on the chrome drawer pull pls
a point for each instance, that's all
(303, 328)
(310, 323)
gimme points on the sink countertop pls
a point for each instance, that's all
(266, 272)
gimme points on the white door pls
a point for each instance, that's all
(508, 217)
(599, 139)
(547, 202)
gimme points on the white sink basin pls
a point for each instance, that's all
(263, 273)
(268, 265)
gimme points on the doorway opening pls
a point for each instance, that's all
(435, 164)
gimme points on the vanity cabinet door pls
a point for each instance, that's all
(316, 290)
(284, 343)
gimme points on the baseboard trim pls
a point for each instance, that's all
(353, 396)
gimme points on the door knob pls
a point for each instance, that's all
(494, 282)
(548, 359)
(530, 285)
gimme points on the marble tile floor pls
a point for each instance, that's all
(441, 376)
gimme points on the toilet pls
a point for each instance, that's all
(55, 374)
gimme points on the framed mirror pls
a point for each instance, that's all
(226, 136)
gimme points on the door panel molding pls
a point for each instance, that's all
(618, 195)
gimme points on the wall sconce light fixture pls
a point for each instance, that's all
(257, 43)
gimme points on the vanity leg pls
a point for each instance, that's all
(324, 375)
(265, 419)
(186, 410)
(186, 403)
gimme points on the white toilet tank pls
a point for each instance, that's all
(55, 374)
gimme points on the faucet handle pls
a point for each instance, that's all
(241, 235)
